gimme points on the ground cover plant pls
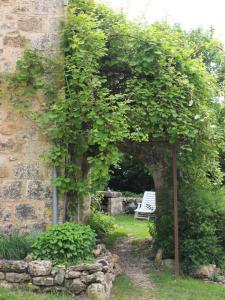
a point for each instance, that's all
(125, 289)
(185, 288)
(166, 286)
(65, 243)
(16, 246)
(18, 295)
(138, 229)
(102, 224)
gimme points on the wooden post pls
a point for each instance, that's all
(176, 225)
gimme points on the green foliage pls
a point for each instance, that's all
(152, 229)
(35, 75)
(124, 288)
(66, 243)
(15, 246)
(5, 294)
(185, 288)
(122, 83)
(201, 227)
(202, 238)
(137, 229)
(101, 223)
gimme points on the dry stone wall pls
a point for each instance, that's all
(25, 180)
(94, 280)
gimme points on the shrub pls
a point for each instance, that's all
(65, 243)
(202, 223)
(201, 228)
(101, 223)
(15, 246)
(152, 229)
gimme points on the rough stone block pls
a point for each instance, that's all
(59, 277)
(75, 286)
(72, 274)
(6, 285)
(16, 41)
(8, 129)
(17, 277)
(2, 276)
(43, 281)
(32, 24)
(115, 206)
(17, 266)
(36, 227)
(98, 277)
(5, 214)
(11, 190)
(45, 41)
(25, 212)
(96, 291)
(39, 190)
(26, 171)
(42, 7)
(6, 144)
(27, 135)
(40, 268)
(3, 172)
(90, 268)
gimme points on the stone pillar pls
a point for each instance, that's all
(25, 180)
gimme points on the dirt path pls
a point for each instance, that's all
(135, 264)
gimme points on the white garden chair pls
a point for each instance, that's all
(146, 207)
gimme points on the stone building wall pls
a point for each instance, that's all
(25, 180)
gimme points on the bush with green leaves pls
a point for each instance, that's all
(15, 246)
(202, 223)
(201, 227)
(65, 243)
(101, 223)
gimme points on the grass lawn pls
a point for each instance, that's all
(124, 289)
(167, 288)
(133, 227)
(7, 295)
(128, 226)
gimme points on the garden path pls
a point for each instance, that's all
(135, 265)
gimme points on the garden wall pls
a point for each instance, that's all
(25, 180)
(94, 279)
(115, 204)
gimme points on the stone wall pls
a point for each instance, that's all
(94, 280)
(25, 180)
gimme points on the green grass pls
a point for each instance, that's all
(124, 289)
(186, 288)
(7, 295)
(128, 226)
(166, 286)
(15, 246)
(135, 228)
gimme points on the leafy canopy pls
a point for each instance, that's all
(124, 82)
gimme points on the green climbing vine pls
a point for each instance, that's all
(118, 82)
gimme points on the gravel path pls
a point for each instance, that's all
(135, 264)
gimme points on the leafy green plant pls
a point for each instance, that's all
(101, 223)
(201, 233)
(152, 229)
(15, 245)
(201, 227)
(65, 243)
